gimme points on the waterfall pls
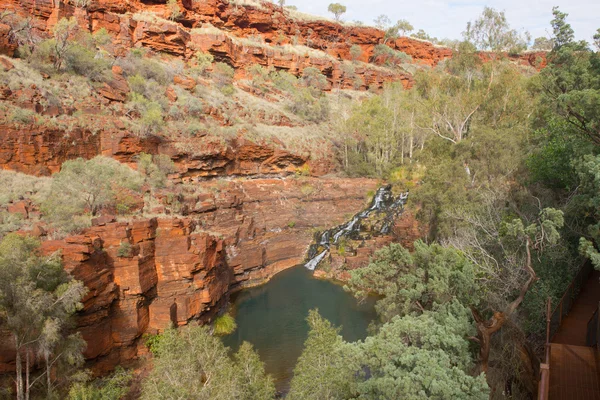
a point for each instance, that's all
(383, 202)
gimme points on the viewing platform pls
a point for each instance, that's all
(572, 355)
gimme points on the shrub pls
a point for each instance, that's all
(224, 325)
(355, 52)
(83, 187)
(150, 113)
(81, 3)
(202, 62)
(284, 81)
(223, 74)
(115, 386)
(137, 62)
(309, 107)
(389, 56)
(174, 10)
(87, 62)
(16, 186)
(259, 76)
(22, 116)
(124, 250)
(314, 79)
(9, 222)
(228, 90)
(74, 51)
(155, 168)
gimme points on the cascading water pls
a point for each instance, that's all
(383, 202)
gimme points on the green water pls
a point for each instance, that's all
(273, 318)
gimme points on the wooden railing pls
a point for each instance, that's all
(554, 319)
(544, 384)
(566, 302)
(593, 330)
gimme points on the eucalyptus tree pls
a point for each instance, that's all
(37, 300)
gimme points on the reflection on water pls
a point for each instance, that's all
(273, 318)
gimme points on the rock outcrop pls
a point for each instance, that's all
(148, 273)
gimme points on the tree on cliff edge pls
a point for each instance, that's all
(337, 10)
(37, 299)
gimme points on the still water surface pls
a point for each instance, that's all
(273, 318)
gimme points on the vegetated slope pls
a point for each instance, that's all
(224, 91)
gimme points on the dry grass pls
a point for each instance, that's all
(258, 4)
(208, 29)
(149, 16)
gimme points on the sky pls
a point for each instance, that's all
(448, 19)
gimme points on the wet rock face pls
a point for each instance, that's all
(375, 221)
(148, 273)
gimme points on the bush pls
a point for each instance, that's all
(124, 250)
(259, 76)
(223, 74)
(228, 90)
(284, 81)
(355, 52)
(309, 107)
(115, 386)
(138, 63)
(391, 57)
(174, 10)
(202, 62)
(314, 79)
(155, 168)
(22, 116)
(16, 186)
(87, 62)
(73, 50)
(84, 187)
(224, 325)
(150, 113)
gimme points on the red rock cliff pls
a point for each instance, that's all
(145, 274)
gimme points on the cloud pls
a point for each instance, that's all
(448, 19)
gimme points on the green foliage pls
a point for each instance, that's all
(313, 78)
(83, 187)
(355, 52)
(422, 357)
(400, 28)
(259, 76)
(202, 62)
(389, 56)
(337, 10)
(542, 44)
(124, 250)
(155, 168)
(16, 186)
(174, 10)
(190, 363)
(571, 88)
(284, 81)
(432, 275)
(138, 62)
(223, 74)
(73, 50)
(37, 299)
(22, 116)
(324, 370)
(224, 325)
(491, 32)
(307, 106)
(113, 387)
(150, 114)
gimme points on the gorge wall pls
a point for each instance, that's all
(147, 273)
